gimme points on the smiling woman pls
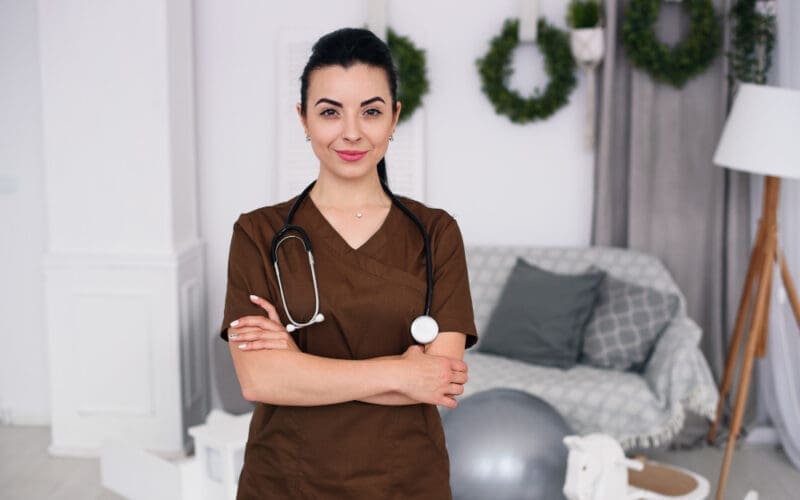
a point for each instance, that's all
(349, 134)
(346, 402)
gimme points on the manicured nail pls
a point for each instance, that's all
(233, 336)
(234, 323)
(253, 297)
(242, 346)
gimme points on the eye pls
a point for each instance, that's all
(373, 112)
(328, 112)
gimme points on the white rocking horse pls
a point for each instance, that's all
(598, 470)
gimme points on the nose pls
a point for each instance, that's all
(351, 132)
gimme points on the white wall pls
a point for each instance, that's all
(24, 392)
(505, 183)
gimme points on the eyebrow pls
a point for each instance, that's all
(337, 103)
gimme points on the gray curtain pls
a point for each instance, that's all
(656, 187)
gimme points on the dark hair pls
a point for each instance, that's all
(345, 47)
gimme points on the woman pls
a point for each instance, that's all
(346, 407)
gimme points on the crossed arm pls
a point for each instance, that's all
(272, 369)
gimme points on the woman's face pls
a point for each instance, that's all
(349, 118)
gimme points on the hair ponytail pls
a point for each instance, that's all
(382, 171)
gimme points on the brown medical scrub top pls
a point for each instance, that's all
(369, 296)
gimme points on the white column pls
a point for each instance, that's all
(124, 264)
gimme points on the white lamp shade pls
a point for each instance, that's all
(762, 133)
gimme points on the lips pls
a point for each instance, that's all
(351, 155)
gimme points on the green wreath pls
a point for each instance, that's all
(673, 65)
(412, 81)
(495, 70)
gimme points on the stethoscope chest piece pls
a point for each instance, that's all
(424, 329)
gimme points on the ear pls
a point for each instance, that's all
(299, 109)
(396, 116)
(631, 464)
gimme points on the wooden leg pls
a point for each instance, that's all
(750, 282)
(759, 317)
(763, 335)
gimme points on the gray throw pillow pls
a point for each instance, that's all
(541, 315)
(626, 324)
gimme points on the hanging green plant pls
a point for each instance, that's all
(583, 14)
(753, 40)
(495, 71)
(673, 65)
(412, 82)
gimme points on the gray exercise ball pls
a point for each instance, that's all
(506, 444)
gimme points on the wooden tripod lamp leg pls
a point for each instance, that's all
(753, 271)
(759, 317)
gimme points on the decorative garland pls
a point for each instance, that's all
(753, 40)
(673, 65)
(495, 70)
(411, 73)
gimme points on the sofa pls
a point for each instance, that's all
(640, 409)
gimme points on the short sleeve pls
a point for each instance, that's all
(452, 301)
(246, 276)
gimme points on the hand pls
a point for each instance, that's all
(433, 379)
(257, 332)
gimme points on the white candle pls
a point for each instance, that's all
(376, 17)
(528, 19)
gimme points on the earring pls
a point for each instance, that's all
(308, 138)
(391, 137)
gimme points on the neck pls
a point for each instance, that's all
(348, 193)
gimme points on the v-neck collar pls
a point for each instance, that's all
(374, 242)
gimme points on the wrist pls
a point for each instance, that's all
(395, 375)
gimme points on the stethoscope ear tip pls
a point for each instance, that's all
(320, 318)
(290, 328)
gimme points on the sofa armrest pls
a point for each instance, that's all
(678, 373)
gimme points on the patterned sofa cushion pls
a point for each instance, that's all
(625, 324)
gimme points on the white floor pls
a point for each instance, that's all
(27, 472)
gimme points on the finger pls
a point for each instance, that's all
(268, 326)
(447, 402)
(259, 335)
(455, 389)
(458, 365)
(244, 321)
(460, 378)
(256, 321)
(257, 345)
(267, 306)
(239, 335)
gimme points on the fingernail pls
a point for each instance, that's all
(234, 323)
(253, 297)
(242, 346)
(233, 335)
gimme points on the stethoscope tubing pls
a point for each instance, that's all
(281, 236)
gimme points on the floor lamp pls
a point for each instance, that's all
(761, 136)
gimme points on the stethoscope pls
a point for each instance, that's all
(424, 328)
